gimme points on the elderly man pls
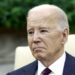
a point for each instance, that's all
(48, 29)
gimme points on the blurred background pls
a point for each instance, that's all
(13, 15)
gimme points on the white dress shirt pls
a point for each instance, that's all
(56, 67)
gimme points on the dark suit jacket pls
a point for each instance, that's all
(69, 67)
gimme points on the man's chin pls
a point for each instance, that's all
(38, 56)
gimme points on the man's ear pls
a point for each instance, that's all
(65, 35)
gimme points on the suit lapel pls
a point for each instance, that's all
(31, 69)
(68, 67)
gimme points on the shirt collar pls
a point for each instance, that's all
(56, 67)
(41, 67)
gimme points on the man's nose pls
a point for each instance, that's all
(36, 37)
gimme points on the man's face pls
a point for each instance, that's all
(44, 38)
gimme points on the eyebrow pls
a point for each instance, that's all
(44, 28)
(39, 28)
(29, 30)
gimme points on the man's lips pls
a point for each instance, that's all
(37, 48)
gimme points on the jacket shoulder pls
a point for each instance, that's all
(70, 58)
(23, 70)
(69, 67)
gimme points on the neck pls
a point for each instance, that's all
(52, 59)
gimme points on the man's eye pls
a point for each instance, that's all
(44, 31)
(30, 32)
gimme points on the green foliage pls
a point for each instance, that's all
(13, 12)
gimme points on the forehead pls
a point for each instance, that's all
(40, 23)
(42, 19)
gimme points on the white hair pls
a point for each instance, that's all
(62, 18)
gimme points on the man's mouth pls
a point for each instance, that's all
(37, 49)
